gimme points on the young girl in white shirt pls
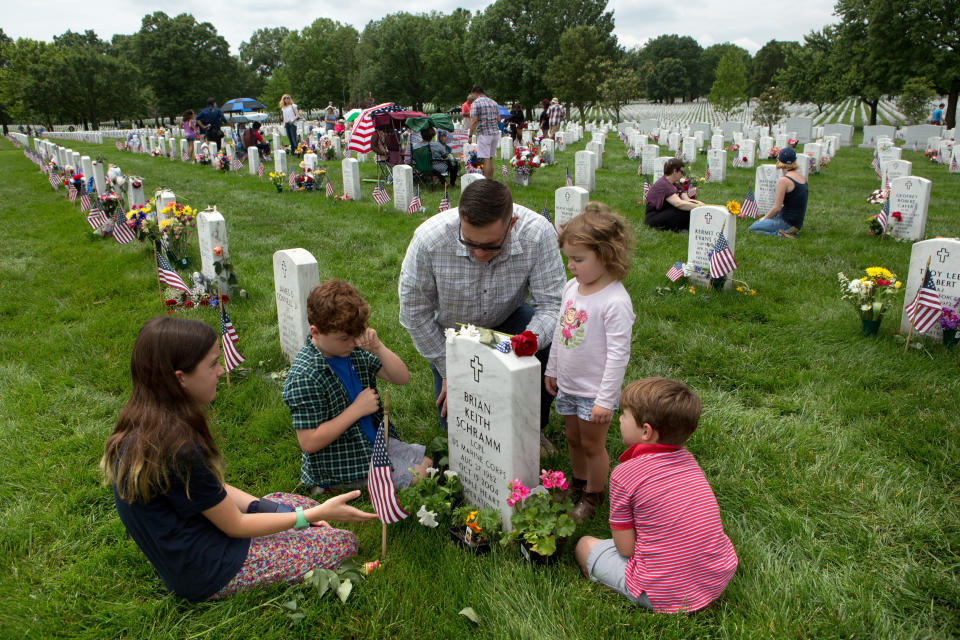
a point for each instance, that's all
(591, 344)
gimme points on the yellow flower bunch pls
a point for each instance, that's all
(733, 207)
(880, 272)
(165, 223)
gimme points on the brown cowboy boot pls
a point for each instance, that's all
(586, 506)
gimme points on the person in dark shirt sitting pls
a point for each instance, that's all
(205, 538)
(785, 217)
(668, 206)
(253, 138)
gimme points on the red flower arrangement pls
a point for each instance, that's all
(524, 344)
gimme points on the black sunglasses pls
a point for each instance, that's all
(482, 247)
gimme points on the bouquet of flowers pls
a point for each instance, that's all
(688, 184)
(222, 161)
(792, 142)
(303, 146)
(474, 164)
(733, 148)
(878, 196)
(524, 161)
(540, 516)
(176, 224)
(432, 498)
(871, 294)
(773, 153)
(143, 220)
(109, 203)
(733, 207)
(948, 319)
(77, 180)
(277, 178)
(873, 222)
(476, 526)
(327, 149)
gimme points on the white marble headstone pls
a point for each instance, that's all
(185, 149)
(280, 161)
(648, 156)
(567, 203)
(86, 167)
(583, 169)
(493, 413)
(98, 179)
(896, 169)
(765, 187)
(944, 255)
(253, 159)
(658, 167)
(748, 150)
(469, 178)
(295, 274)
(910, 196)
(716, 141)
(351, 178)
(705, 225)
(310, 161)
(689, 151)
(135, 194)
(673, 141)
(212, 233)
(871, 133)
(717, 163)
(597, 149)
(506, 148)
(402, 186)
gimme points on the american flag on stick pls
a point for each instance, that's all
(259, 169)
(293, 179)
(55, 180)
(675, 272)
(646, 188)
(444, 203)
(380, 482)
(875, 163)
(737, 161)
(749, 207)
(168, 276)
(72, 193)
(678, 154)
(545, 213)
(228, 338)
(721, 258)
(122, 233)
(184, 156)
(884, 216)
(706, 176)
(236, 164)
(640, 167)
(330, 192)
(380, 195)
(415, 203)
(631, 154)
(97, 219)
(84, 201)
(119, 145)
(569, 181)
(925, 309)
(954, 166)
(503, 169)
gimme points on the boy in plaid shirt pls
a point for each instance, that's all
(332, 396)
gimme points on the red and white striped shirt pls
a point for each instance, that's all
(682, 558)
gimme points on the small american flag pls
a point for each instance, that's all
(749, 208)
(259, 169)
(503, 169)
(875, 163)
(640, 167)
(415, 203)
(925, 309)
(380, 483)
(96, 219)
(721, 258)
(675, 272)
(706, 176)
(122, 233)
(231, 357)
(678, 154)
(168, 276)
(237, 163)
(646, 188)
(84, 201)
(72, 193)
(954, 166)
(330, 192)
(884, 216)
(569, 181)
(737, 161)
(55, 180)
(184, 156)
(380, 195)
(119, 145)
(293, 180)
(631, 154)
(545, 213)
(445, 203)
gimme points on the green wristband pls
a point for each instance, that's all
(301, 519)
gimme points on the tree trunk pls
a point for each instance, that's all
(952, 104)
(873, 110)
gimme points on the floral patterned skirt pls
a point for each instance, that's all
(287, 555)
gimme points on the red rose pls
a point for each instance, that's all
(896, 214)
(188, 304)
(524, 344)
(224, 298)
(171, 302)
(883, 283)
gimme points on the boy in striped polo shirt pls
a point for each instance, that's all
(668, 552)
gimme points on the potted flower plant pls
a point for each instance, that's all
(433, 498)
(871, 295)
(540, 521)
(277, 178)
(524, 161)
(476, 528)
(948, 323)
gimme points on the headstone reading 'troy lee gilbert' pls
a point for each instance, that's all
(493, 412)
(944, 255)
(295, 273)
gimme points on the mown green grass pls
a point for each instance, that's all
(833, 456)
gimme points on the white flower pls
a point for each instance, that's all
(687, 270)
(432, 471)
(866, 307)
(854, 286)
(427, 518)
(450, 333)
(450, 474)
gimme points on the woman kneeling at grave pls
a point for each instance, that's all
(668, 206)
(205, 538)
(785, 217)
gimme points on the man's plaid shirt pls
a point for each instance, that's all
(441, 284)
(556, 113)
(314, 395)
(487, 115)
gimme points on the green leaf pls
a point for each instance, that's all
(296, 617)
(343, 591)
(290, 604)
(470, 615)
(322, 583)
(546, 546)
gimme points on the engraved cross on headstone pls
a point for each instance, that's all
(477, 368)
(943, 255)
(708, 217)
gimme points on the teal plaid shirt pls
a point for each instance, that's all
(314, 395)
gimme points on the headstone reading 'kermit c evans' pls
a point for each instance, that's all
(295, 273)
(705, 225)
(493, 411)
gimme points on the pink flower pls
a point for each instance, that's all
(513, 499)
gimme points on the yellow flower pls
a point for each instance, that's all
(753, 292)
(733, 207)
(692, 289)
(740, 289)
(166, 222)
(879, 272)
(897, 284)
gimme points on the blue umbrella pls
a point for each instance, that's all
(504, 112)
(243, 104)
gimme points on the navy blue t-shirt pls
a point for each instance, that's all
(189, 553)
(351, 384)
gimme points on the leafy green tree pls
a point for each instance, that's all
(817, 71)
(730, 86)
(274, 88)
(915, 98)
(871, 65)
(620, 85)
(710, 59)
(665, 79)
(769, 110)
(320, 63)
(262, 52)
(574, 73)
(512, 42)
(687, 51)
(391, 66)
(771, 58)
(444, 51)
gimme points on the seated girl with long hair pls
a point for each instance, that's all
(205, 538)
